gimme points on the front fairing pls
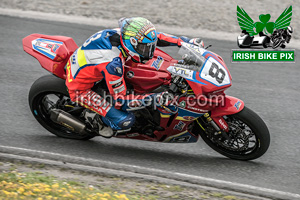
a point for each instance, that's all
(204, 71)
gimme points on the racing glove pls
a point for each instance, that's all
(197, 41)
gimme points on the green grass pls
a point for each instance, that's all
(35, 183)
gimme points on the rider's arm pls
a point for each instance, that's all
(170, 40)
(114, 77)
(113, 74)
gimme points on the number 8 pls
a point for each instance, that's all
(216, 73)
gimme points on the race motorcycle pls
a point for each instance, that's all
(201, 109)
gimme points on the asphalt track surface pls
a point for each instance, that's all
(272, 90)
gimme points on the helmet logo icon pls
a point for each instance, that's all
(133, 41)
(152, 34)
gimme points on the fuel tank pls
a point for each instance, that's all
(146, 77)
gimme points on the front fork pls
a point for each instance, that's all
(219, 130)
(231, 106)
(212, 122)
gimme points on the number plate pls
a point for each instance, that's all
(215, 73)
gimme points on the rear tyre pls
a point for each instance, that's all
(49, 92)
(249, 136)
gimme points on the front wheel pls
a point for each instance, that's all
(277, 43)
(248, 137)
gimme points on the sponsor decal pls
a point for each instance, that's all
(182, 104)
(179, 126)
(188, 118)
(152, 34)
(237, 105)
(117, 85)
(264, 33)
(73, 58)
(223, 124)
(55, 47)
(120, 89)
(46, 47)
(130, 74)
(157, 63)
(95, 101)
(69, 78)
(133, 41)
(185, 73)
(181, 71)
(197, 109)
(119, 70)
(126, 123)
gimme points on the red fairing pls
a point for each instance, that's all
(231, 105)
(62, 53)
(205, 87)
(146, 77)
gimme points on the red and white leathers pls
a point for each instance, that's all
(102, 56)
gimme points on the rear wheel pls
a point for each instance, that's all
(49, 92)
(248, 137)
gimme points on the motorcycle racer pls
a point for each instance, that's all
(102, 56)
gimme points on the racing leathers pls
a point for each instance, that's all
(102, 57)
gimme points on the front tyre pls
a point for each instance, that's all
(248, 136)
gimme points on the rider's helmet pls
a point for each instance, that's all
(138, 38)
(289, 30)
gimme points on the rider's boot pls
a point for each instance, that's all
(94, 121)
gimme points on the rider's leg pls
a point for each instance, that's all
(112, 117)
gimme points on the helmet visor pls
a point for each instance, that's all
(146, 50)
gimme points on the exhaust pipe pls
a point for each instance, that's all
(67, 120)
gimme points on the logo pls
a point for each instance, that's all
(182, 104)
(46, 47)
(197, 109)
(237, 105)
(117, 84)
(130, 74)
(157, 63)
(179, 126)
(263, 34)
(189, 118)
(152, 34)
(126, 123)
(223, 124)
(55, 47)
(119, 70)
